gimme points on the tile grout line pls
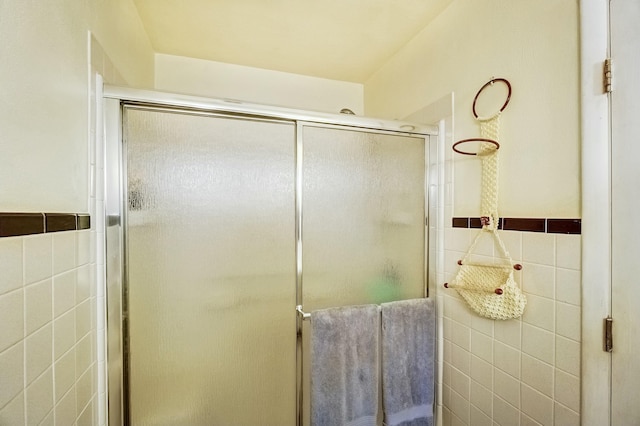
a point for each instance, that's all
(53, 336)
(24, 328)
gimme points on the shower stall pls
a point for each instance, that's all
(221, 219)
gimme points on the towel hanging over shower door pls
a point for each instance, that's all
(408, 355)
(344, 366)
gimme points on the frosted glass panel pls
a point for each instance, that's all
(363, 217)
(363, 223)
(211, 268)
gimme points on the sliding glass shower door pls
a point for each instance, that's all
(211, 269)
(363, 223)
(230, 221)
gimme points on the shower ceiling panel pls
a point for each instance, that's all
(335, 39)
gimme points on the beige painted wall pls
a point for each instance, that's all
(228, 81)
(44, 87)
(534, 44)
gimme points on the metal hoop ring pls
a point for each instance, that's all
(473, 140)
(490, 83)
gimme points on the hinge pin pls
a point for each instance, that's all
(608, 334)
(608, 76)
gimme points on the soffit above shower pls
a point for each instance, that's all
(344, 40)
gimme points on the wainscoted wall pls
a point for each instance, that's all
(48, 292)
(515, 372)
(47, 344)
(52, 344)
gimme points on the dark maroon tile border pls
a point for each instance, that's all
(17, 224)
(474, 222)
(551, 226)
(524, 224)
(14, 224)
(83, 221)
(460, 222)
(56, 222)
(564, 226)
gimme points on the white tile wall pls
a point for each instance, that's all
(516, 372)
(46, 350)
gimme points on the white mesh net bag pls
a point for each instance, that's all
(490, 288)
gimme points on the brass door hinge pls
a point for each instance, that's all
(608, 334)
(608, 76)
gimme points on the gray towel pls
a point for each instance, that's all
(344, 366)
(408, 356)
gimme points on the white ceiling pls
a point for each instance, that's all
(338, 39)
